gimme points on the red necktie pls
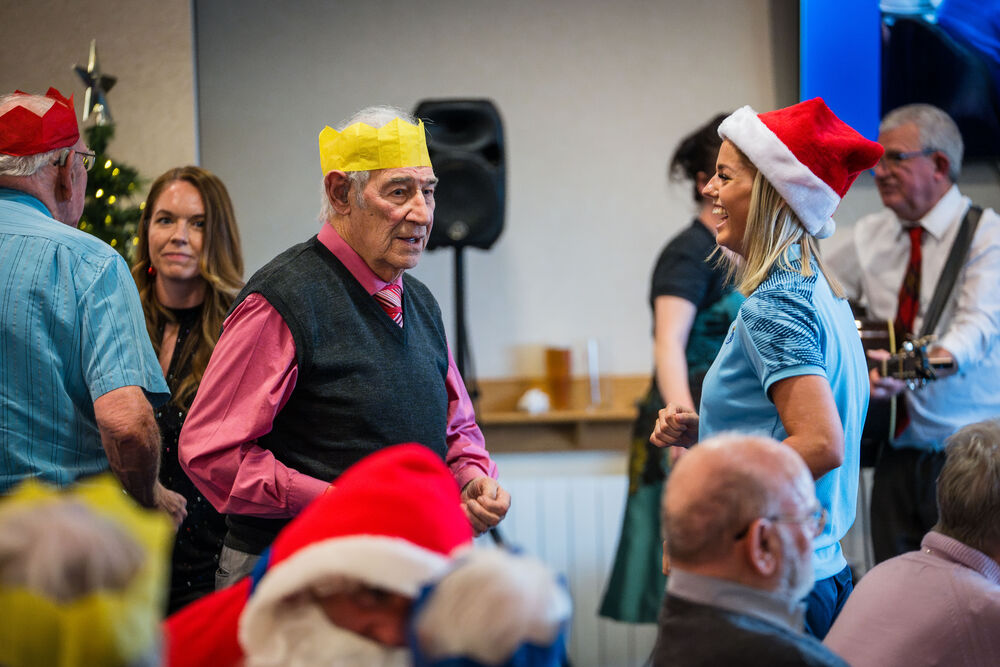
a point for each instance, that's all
(906, 312)
(909, 291)
(390, 298)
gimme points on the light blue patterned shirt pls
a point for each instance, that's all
(790, 326)
(72, 330)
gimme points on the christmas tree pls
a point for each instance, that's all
(110, 211)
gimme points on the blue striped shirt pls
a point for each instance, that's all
(792, 325)
(72, 330)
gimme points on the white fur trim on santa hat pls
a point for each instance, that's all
(390, 563)
(809, 196)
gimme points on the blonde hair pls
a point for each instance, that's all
(221, 267)
(772, 230)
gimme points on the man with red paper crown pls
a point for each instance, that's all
(77, 371)
(332, 352)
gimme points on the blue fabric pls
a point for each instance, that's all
(825, 600)
(72, 330)
(792, 325)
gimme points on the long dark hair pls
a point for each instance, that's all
(221, 266)
(695, 153)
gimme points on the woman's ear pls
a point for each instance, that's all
(338, 187)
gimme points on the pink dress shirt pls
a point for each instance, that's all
(249, 379)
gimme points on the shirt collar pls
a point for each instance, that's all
(20, 197)
(738, 598)
(937, 220)
(363, 273)
(940, 545)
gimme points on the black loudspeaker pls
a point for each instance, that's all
(465, 142)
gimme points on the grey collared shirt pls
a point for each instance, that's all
(737, 598)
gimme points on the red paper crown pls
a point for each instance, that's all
(24, 132)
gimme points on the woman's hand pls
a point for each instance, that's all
(675, 426)
(171, 502)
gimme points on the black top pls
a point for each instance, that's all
(698, 635)
(682, 270)
(199, 538)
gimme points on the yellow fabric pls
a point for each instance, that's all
(107, 628)
(361, 147)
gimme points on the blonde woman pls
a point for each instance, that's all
(792, 366)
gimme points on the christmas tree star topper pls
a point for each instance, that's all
(98, 86)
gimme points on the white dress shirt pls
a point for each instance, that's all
(871, 269)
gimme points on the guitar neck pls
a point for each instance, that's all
(908, 366)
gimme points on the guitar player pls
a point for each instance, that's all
(930, 263)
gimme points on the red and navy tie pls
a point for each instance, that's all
(906, 311)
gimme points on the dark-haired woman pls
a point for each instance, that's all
(188, 269)
(692, 310)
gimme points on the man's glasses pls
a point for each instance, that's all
(815, 520)
(88, 158)
(894, 158)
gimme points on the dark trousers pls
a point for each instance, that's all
(825, 601)
(904, 499)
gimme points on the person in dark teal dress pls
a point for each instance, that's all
(692, 311)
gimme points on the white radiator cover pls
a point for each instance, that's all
(566, 509)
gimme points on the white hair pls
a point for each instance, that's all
(375, 116)
(937, 131)
(65, 551)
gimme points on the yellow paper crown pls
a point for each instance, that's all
(361, 147)
(104, 628)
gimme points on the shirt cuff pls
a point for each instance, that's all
(469, 472)
(302, 490)
(790, 372)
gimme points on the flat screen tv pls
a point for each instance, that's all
(866, 58)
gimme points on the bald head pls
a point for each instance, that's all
(722, 485)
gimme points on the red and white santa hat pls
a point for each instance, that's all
(810, 156)
(392, 521)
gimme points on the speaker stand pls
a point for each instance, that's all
(460, 345)
(461, 352)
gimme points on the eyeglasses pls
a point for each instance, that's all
(89, 159)
(816, 520)
(893, 158)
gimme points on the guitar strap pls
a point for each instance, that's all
(956, 258)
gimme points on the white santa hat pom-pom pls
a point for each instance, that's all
(489, 605)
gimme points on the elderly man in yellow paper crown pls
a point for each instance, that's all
(332, 352)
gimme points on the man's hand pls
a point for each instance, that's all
(675, 426)
(883, 388)
(485, 503)
(170, 502)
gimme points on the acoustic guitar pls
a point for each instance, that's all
(908, 361)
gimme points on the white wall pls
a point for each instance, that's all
(147, 45)
(594, 96)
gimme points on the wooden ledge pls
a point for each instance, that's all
(606, 426)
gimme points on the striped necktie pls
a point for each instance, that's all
(390, 298)
(906, 312)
